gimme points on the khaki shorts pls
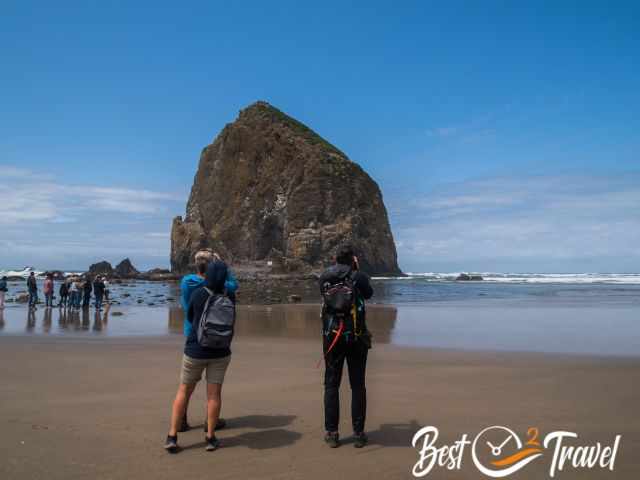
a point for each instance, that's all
(192, 369)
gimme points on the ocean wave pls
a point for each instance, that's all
(26, 271)
(493, 277)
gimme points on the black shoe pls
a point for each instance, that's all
(171, 445)
(332, 439)
(220, 424)
(361, 439)
(212, 444)
(184, 426)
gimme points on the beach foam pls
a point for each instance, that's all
(564, 278)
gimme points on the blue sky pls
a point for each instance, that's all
(505, 136)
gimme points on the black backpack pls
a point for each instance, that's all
(340, 302)
(216, 326)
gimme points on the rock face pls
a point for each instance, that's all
(270, 189)
(101, 268)
(125, 269)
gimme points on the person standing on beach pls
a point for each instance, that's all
(47, 289)
(345, 337)
(64, 293)
(32, 286)
(98, 292)
(3, 291)
(198, 358)
(76, 292)
(189, 284)
(86, 289)
(106, 289)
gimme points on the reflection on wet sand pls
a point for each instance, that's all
(492, 326)
(293, 321)
(75, 320)
(46, 321)
(31, 320)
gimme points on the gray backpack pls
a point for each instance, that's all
(218, 319)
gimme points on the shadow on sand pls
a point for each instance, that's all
(270, 433)
(390, 435)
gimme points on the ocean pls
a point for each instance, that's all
(595, 314)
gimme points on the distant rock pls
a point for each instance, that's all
(271, 192)
(158, 275)
(101, 268)
(125, 269)
(463, 277)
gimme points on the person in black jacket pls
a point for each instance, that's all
(87, 292)
(98, 292)
(32, 286)
(64, 294)
(197, 359)
(350, 343)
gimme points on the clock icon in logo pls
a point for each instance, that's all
(498, 451)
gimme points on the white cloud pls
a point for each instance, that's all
(562, 218)
(49, 223)
(28, 198)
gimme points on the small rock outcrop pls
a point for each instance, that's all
(464, 277)
(271, 191)
(101, 268)
(158, 275)
(125, 269)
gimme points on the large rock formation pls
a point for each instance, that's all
(100, 268)
(125, 269)
(270, 189)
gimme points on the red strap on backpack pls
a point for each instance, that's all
(333, 343)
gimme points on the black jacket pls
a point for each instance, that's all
(362, 286)
(98, 288)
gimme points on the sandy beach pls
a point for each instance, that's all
(98, 407)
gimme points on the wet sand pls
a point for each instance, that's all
(494, 325)
(98, 407)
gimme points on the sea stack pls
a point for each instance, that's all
(270, 191)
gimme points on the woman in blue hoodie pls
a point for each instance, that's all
(198, 359)
(189, 284)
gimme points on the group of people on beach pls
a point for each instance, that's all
(208, 295)
(75, 291)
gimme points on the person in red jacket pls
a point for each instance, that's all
(48, 291)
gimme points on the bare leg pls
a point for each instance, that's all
(179, 406)
(214, 403)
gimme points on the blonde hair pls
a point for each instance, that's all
(203, 258)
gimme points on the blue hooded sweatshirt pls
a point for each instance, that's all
(189, 284)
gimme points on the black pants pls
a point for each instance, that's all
(355, 353)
